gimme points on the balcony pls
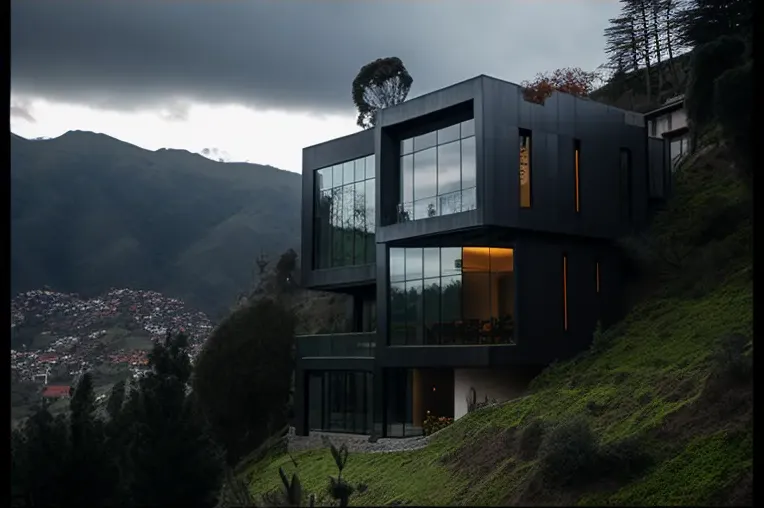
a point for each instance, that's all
(337, 345)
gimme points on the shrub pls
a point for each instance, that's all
(623, 459)
(530, 441)
(433, 424)
(708, 62)
(733, 101)
(731, 365)
(568, 453)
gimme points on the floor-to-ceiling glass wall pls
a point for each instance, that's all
(340, 401)
(452, 295)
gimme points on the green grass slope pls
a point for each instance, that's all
(667, 391)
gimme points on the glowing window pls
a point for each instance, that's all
(525, 168)
(565, 291)
(576, 156)
(598, 277)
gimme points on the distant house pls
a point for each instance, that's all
(57, 391)
(670, 122)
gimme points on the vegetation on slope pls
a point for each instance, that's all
(89, 212)
(666, 393)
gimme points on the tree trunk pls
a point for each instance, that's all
(670, 45)
(657, 40)
(645, 35)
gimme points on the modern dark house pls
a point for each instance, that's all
(475, 233)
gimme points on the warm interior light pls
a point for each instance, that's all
(565, 291)
(433, 388)
(578, 203)
(598, 277)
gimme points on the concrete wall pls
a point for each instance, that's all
(501, 384)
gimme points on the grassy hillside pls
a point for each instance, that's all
(90, 212)
(667, 392)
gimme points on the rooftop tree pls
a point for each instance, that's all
(379, 84)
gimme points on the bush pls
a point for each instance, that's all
(733, 101)
(243, 376)
(530, 441)
(433, 424)
(623, 459)
(568, 453)
(708, 62)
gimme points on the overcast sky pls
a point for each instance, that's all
(258, 80)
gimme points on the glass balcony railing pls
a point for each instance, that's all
(337, 345)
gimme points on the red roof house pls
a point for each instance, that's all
(57, 391)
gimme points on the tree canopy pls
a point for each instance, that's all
(379, 84)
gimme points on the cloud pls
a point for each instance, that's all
(294, 56)
(21, 111)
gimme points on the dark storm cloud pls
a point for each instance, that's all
(295, 55)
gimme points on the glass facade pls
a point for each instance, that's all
(344, 215)
(452, 295)
(438, 173)
(340, 401)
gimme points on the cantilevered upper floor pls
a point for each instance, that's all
(472, 155)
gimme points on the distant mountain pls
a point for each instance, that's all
(90, 212)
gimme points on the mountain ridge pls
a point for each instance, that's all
(89, 212)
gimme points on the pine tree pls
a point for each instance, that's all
(172, 459)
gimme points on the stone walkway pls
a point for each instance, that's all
(354, 442)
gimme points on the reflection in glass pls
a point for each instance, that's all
(340, 401)
(469, 199)
(450, 203)
(397, 265)
(440, 164)
(469, 299)
(407, 179)
(469, 171)
(448, 134)
(431, 256)
(348, 172)
(360, 170)
(424, 141)
(449, 168)
(413, 263)
(398, 313)
(424, 208)
(414, 312)
(371, 166)
(344, 214)
(324, 178)
(336, 175)
(425, 174)
(468, 128)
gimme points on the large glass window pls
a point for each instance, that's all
(344, 216)
(438, 173)
(340, 401)
(452, 295)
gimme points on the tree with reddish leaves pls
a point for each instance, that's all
(572, 80)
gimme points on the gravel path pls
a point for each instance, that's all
(354, 442)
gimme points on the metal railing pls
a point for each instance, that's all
(359, 344)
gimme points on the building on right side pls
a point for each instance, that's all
(475, 233)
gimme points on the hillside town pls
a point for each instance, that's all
(56, 336)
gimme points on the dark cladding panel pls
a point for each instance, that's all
(539, 296)
(657, 168)
(501, 151)
(431, 102)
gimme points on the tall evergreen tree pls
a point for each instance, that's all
(39, 460)
(172, 458)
